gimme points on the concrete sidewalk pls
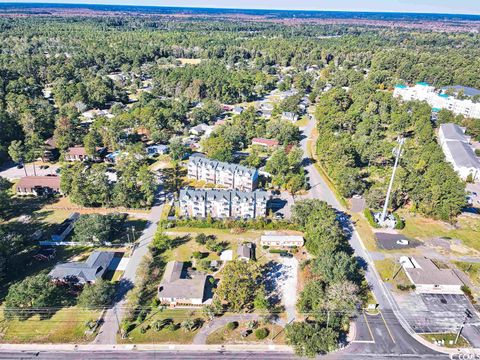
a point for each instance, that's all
(144, 347)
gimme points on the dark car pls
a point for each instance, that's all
(19, 166)
(286, 254)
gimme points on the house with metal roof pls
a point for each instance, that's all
(180, 286)
(84, 272)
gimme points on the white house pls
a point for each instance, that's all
(282, 240)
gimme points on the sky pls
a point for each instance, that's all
(425, 6)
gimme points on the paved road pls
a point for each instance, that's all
(204, 355)
(404, 343)
(113, 317)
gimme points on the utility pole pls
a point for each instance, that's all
(133, 233)
(398, 150)
(468, 314)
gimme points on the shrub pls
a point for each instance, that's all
(198, 255)
(402, 287)
(201, 239)
(369, 216)
(277, 251)
(265, 247)
(400, 223)
(232, 325)
(252, 324)
(172, 326)
(144, 329)
(468, 293)
(261, 333)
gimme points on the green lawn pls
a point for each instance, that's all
(184, 251)
(151, 336)
(224, 336)
(462, 342)
(65, 326)
(302, 122)
(391, 271)
(471, 269)
(466, 230)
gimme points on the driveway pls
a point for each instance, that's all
(10, 171)
(114, 315)
(280, 280)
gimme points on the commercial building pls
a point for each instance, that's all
(429, 278)
(438, 99)
(458, 152)
(231, 176)
(222, 204)
(182, 287)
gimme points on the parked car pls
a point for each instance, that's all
(286, 255)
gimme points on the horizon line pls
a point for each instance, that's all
(236, 8)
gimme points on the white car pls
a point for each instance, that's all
(402, 242)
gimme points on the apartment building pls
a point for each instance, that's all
(231, 176)
(458, 152)
(437, 99)
(222, 204)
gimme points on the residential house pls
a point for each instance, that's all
(157, 149)
(289, 116)
(237, 110)
(201, 129)
(282, 240)
(182, 287)
(38, 185)
(222, 204)
(268, 143)
(458, 151)
(429, 278)
(84, 272)
(246, 252)
(65, 228)
(231, 176)
(79, 153)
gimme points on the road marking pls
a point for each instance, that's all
(362, 342)
(388, 329)
(368, 326)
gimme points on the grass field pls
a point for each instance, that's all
(224, 336)
(471, 269)
(302, 122)
(466, 229)
(151, 336)
(391, 272)
(365, 232)
(184, 251)
(67, 325)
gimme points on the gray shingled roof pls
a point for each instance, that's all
(219, 193)
(427, 273)
(177, 284)
(245, 251)
(88, 271)
(214, 164)
(463, 155)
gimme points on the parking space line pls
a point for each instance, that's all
(368, 326)
(388, 329)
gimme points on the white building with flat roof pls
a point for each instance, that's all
(437, 99)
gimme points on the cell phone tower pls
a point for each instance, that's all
(398, 151)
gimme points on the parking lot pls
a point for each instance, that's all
(435, 313)
(12, 172)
